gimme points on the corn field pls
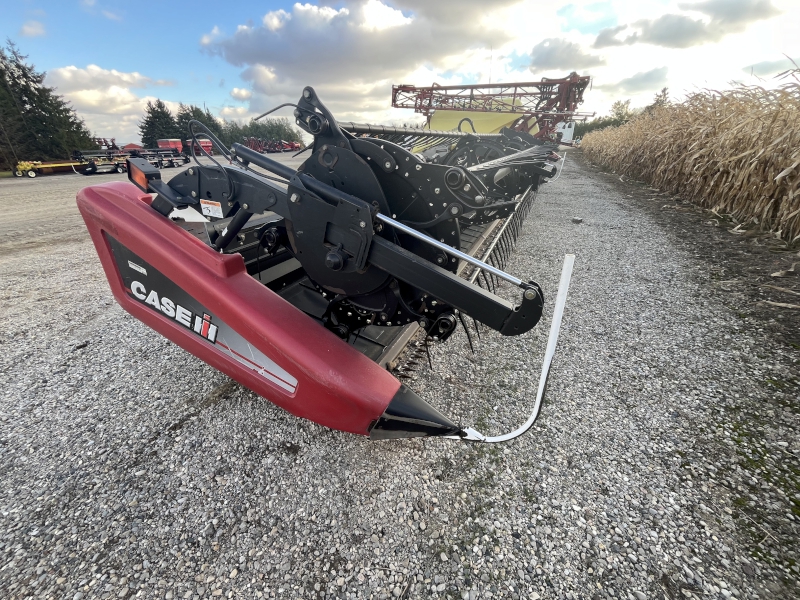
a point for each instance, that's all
(736, 152)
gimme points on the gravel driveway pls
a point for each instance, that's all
(664, 463)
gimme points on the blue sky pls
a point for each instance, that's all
(240, 58)
(159, 40)
(591, 18)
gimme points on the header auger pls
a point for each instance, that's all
(305, 285)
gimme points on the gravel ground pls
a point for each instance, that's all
(664, 464)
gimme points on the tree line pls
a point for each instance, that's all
(35, 122)
(621, 113)
(159, 123)
(38, 124)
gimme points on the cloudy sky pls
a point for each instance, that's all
(241, 58)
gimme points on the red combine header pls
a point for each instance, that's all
(546, 103)
(319, 287)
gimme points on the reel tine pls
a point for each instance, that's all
(428, 352)
(469, 337)
(486, 280)
(502, 248)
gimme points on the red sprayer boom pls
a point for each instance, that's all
(545, 103)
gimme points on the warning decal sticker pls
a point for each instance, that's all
(211, 209)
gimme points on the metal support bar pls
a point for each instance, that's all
(450, 250)
(262, 161)
(362, 128)
(234, 227)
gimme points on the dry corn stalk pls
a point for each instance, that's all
(735, 152)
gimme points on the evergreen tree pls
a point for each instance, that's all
(12, 134)
(35, 122)
(187, 113)
(269, 129)
(158, 124)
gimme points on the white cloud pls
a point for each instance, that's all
(104, 98)
(209, 38)
(93, 8)
(72, 78)
(241, 94)
(674, 30)
(315, 17)
(32, 29)
(276, 19)
(113, 100)
(238, 113)
(646, 81)
(352, 51)
(558, 53)
(378, 16)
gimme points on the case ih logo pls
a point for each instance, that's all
(201, 325)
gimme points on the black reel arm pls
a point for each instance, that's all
(338, 230)
(470, 299)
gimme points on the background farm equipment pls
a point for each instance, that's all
(289, 146)
(106, 158)
(270, 146)
(33, 168)
(180, 147)
(79, 164)
(543, 108)
(109, 158)
(160, 158)
(308, 285)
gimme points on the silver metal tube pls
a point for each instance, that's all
(533, 154)
(563, 160)
(450, 250)
(555, 328)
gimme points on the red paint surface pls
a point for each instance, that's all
(337, 386)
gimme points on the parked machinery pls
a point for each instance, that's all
(107, 157)
(270, 146)
(545, 108)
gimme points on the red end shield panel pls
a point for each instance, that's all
(207, 303)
